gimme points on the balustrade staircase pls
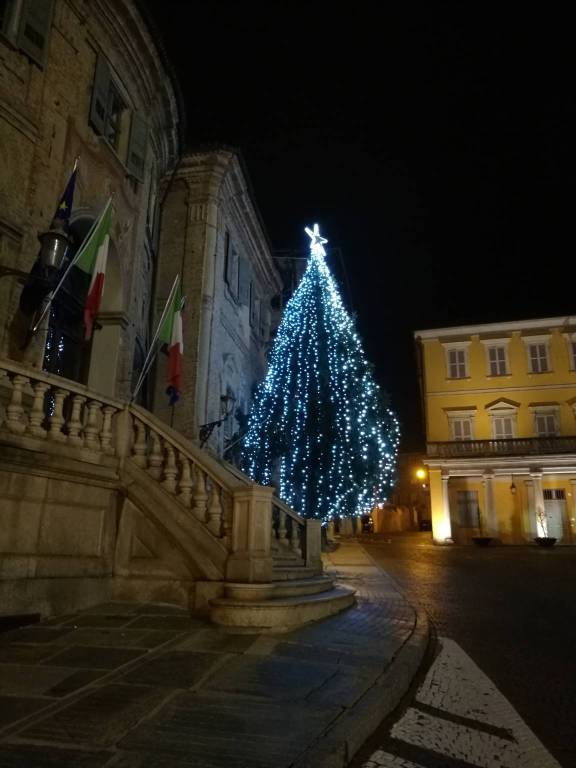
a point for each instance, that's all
(185, 526)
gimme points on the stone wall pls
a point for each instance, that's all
(45, 123)
(57, 534)
(229, 279)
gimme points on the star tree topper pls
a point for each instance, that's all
(317, 241)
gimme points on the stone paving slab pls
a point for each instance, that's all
(173, 669)
(100, 718)
(28, 756)
(14, 708)
(225, 731)
(123, 685)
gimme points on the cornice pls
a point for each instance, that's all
(506, 327)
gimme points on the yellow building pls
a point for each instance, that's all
(500, 411)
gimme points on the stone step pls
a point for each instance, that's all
(278, 614)
(294, 587)
(287, 557)
(294, 572)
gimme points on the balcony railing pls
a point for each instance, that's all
(518, 446)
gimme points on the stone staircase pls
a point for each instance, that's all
(298, 594)
(104, 501)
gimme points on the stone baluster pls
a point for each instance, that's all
(226, 517)
(37, 414)
(274, 529)
(295, 537)
(155, 459)
(15, 412)
(282, 532)
(170, 469)
(56, 419)
(139, 447)
(106, 434)
(185, 483)
(214, 522)
(92, 429)
(75, 423)
(199, 496)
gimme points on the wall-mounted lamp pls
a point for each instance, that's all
(207, 429)
(512, 487)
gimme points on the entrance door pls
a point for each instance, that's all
(555, 506)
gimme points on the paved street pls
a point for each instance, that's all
(513, 612)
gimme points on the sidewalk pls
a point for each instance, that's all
(145, 686)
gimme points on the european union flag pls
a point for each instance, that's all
(65, 205)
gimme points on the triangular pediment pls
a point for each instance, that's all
(503, 403)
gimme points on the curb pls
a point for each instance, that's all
(348, 733)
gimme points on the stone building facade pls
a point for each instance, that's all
(212, 233)
(85, 79)
(90, 81)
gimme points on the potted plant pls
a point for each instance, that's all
(481, 540)
(543, 540)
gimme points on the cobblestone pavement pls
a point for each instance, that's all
(146, 686)
(457, 719)
(512, 610)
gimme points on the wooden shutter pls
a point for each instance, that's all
(243, 281)
(100, 91)
(137, 146)
(34, 28)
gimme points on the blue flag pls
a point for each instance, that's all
(65, 205)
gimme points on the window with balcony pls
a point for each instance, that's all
(538, 358)
(461, 428)
(503, 427)
(457, 363)
(546, 423)
(497, 361)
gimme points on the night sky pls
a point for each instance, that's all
(433, 143)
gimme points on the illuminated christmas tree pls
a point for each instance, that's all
(320, 429)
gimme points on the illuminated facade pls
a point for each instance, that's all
(500, 410)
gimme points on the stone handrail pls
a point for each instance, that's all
(38, 408)
(191, 476)
(40, 405)
(288, 529)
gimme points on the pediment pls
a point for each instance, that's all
(502, 404)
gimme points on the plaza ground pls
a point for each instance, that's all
(511, 609)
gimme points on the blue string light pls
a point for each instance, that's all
(319, 427)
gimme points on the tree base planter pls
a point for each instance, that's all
(545, 541)
(482, 541)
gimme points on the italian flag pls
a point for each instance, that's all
(171, 336)
(91, 259)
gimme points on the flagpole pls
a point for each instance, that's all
(150, 356)
(51, 296)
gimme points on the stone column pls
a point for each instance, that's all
(539, 503)
(530, 513)
(572, 510)
(105, 353)
(251, 558)
(490, 523)
(440, 507)
(313, 535)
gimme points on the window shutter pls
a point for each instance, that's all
(100, 89)
(137, 146)
(243, 281)
(34, 29)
